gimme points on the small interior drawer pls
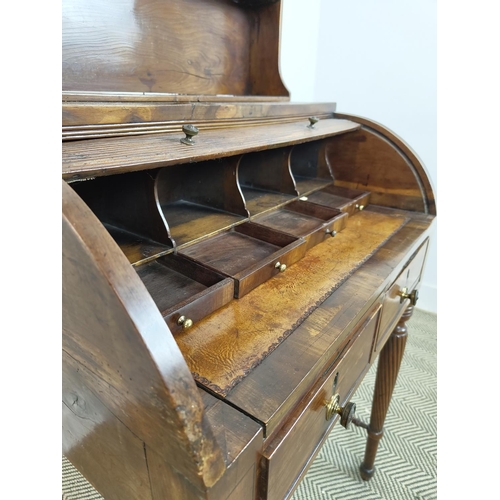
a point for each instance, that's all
(305, 220)
(248, 253)
(394, 306)
(289, 453)
(181, 287)
(344, 199)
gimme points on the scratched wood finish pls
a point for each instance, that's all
(98, 157)
(224, 348)
(194, 47)
(319, 336)
(387, 373)
(112, 327)
(240, 440)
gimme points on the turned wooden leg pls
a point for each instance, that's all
(387, 373)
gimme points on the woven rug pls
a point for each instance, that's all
(406, 464)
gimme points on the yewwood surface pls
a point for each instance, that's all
(96, 157)
(221, 350)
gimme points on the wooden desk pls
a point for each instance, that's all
(222, 300)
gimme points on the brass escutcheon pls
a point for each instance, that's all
(332, 406)
(346, 412)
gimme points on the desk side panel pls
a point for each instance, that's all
(128, 357)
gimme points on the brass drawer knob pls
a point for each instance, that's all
(185, 322)
(413, 296)
(346, 412)
(190, 131)
(312, 121)
(360, 207)
(280, 266)
(331, 232)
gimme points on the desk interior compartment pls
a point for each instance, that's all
(265, 180)
(305, 220)
(309, 167)
(127, 206)
(184, 291)
(200, 199)
(249, 253)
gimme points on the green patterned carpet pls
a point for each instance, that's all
(406, 459)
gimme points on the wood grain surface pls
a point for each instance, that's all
(98, 115)
(188, 47)
(222, 349)
(82, 159)
(377, 160)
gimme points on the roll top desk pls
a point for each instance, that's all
(233, 263)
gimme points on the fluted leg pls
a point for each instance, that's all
(387, 373)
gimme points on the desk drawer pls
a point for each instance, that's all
(393, 307)
(287, 456)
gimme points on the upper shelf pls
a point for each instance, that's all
(98, 157)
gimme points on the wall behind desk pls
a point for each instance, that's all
(375, 59)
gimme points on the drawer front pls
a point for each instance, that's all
(200, 306)
(254, 276)
(287, 456)
(354, 206)
(393, 307)
(324, 232)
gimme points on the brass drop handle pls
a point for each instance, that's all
(190, 131)
(312, 121)
(360, 207)
(346, 412)
(280, 266)
(331, 232)
(413, 296)
(185, 322)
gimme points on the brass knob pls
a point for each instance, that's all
(280, 266)
(413, 296)
(185, 322)
(346, 412)
(332, 232)
(360, 207)
(190, 131)
(312, 121)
